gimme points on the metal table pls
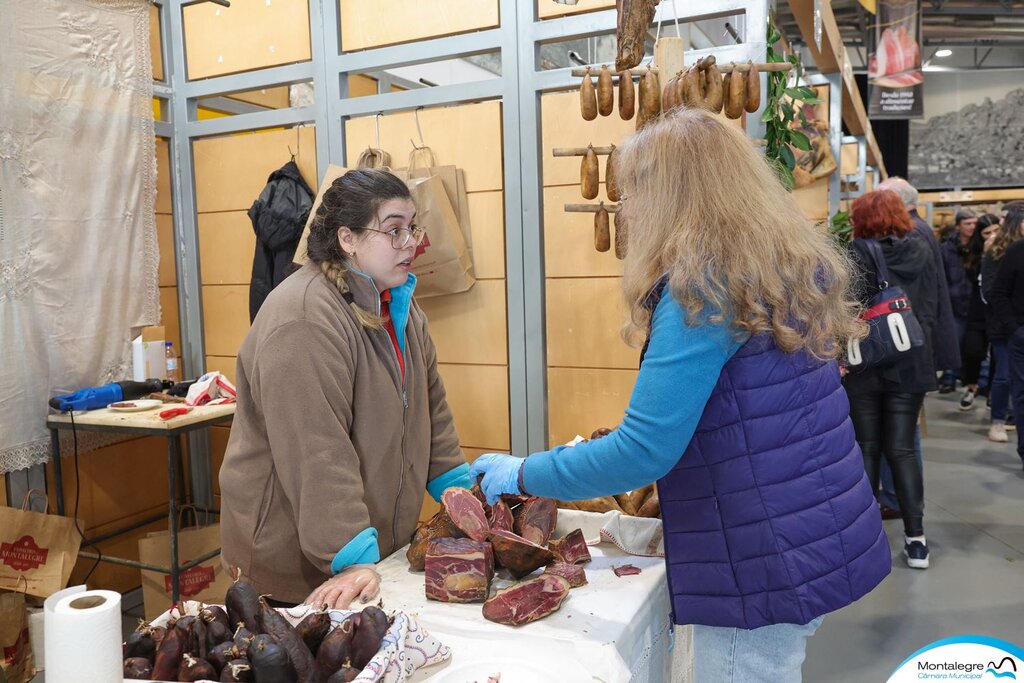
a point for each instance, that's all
(141, 424)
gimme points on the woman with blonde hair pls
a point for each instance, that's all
(738, 412)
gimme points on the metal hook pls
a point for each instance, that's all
(416, 116)
(291, 152)
(376, 126)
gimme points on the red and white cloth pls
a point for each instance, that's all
(212, 389)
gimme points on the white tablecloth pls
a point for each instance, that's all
(613, 630)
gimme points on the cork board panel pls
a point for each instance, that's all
(226, 365)
(225, 318)
(487, 214)
(165, 240)
(368, 23)
(849, 156)
(231, 171)
(478, 397)
(163, 177)
(562, 126)
(584, 316)
(470, 327)
(467, 136)
(813, 199)
(549, 8)
(251, 34)
(569, 239)
(169, 316)
(581, 400)
(226, 246)
(156, 43)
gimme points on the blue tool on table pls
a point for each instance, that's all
(93, 398)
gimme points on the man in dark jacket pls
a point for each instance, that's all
(954, 254)
(278, 217)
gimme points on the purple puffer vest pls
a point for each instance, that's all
(768, 516)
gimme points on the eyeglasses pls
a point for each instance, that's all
(402, 237)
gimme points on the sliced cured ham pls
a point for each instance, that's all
(527, 601)
(518, 555)
(501, 517)
(573, 573)
(572, 549)
(466, 512)
(537, 520)
(459, 570)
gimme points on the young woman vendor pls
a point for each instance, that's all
(342, 421)
(737, 412)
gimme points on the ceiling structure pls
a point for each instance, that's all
(982, 34)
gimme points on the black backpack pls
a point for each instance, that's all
(278, 217)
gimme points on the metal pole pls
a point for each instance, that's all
(58, 477)
(172, 512)
(835, 135)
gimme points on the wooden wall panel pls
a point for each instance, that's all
(231, 171)
(813, 199)
(155, 43)
(225, 318)
(478, 396)
(224, 364)
(487, 214)
(368, 23)
(583, 320)
(470, 327)
(111, 576)
(467, 136)
(163, 177)
(562, 126)
(251, 34)
(549, 8)
(361, 86)
(169, 315)
(849, 159)
(165, 239)
(569, 239)
(272, 98)
(227, 243)
(581, 400)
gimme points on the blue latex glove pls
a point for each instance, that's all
(501, 474)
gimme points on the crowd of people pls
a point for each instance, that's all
(967, 293)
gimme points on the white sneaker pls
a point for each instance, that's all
(967, 400)
(997, 433)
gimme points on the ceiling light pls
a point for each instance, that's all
(943, 53)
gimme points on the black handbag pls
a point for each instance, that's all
(893, 329)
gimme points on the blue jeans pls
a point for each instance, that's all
(887, 496)
(735, 655)
(1000, 392)
(949, 377)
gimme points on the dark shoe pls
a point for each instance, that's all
(889, 513)
(967, 400)
(916, 553)
(947, 389)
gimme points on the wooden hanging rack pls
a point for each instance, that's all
(724, 68)
(596, 70)
(591, 208)
(579, 151)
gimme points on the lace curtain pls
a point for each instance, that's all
(78, 247)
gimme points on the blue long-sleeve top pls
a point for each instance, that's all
(679, 372)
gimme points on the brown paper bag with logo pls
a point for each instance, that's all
(206, 582)
(37, 550)
(423, 163)
(443, 264)
(15, 644)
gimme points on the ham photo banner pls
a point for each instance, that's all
(895, 81)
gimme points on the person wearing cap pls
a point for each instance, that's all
(955, 253)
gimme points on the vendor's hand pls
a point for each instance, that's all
(340, 590)
(600, 432)
(500, 474)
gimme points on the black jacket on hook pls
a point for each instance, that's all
(278, 217)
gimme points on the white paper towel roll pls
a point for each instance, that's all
(83, 636)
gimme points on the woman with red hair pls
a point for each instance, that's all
(885, 402)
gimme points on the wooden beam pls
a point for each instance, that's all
(973, 196)
(855, 116)
(830, 58)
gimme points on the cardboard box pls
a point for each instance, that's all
(149, 354)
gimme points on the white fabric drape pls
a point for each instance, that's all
(78, 247)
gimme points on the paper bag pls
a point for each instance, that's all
(422, 163)
(333, 172)
(37, 550)
(206, 582)
(442, 264)
(15, 644)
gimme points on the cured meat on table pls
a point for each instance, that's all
(438, 526)
(573, 573)
(501, 516)
(572, 548)
(537, 520)
(527, 601)
(459, 570)
(467, 513)
(517, 554)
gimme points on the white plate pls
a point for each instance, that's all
(136, 406)
(511, 670)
